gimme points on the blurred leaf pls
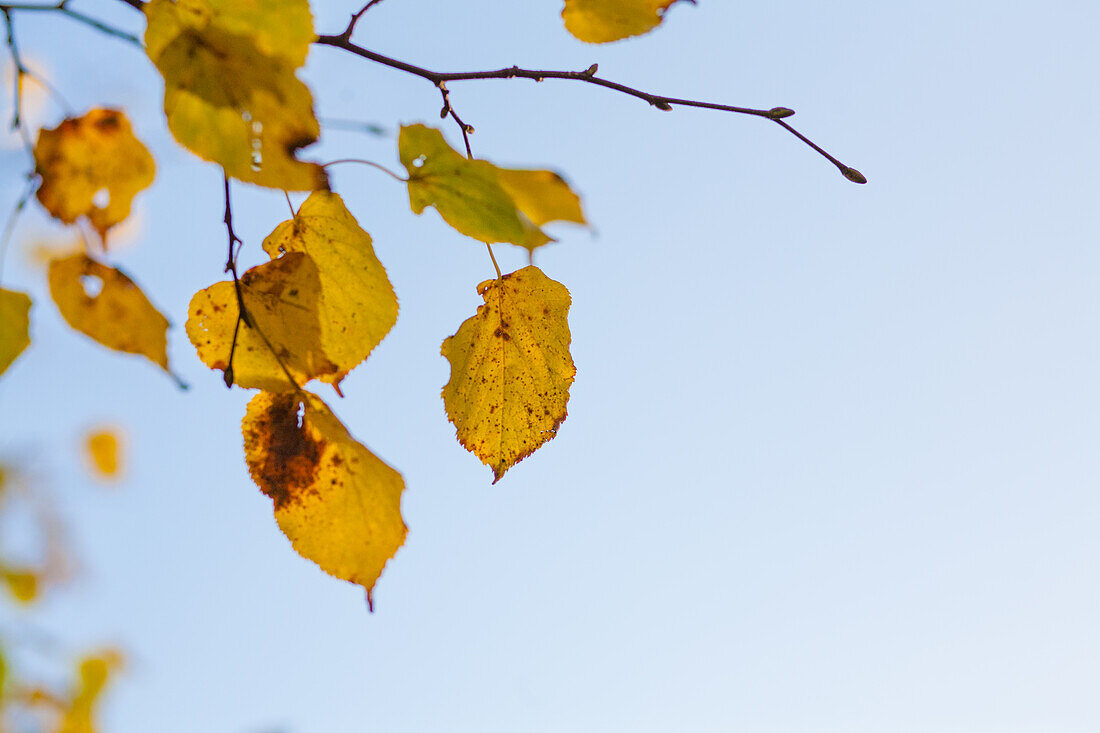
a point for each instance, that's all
(601, 21)
(92, 166)
(15, 321)
(511, 369)
(230, 92)
(94, 672)
(23, 584)
(103, 449)
(106, 305)
(544, 196)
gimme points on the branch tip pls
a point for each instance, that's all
(853, 175)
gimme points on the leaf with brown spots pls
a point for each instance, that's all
(106, 305)
(338, 503)
(282, 332)
(92, 166)
(357, 306)
(511, 369)
(230, 91)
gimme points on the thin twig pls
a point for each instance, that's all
(231, 267)
(13, 218)
(449, 111)
(588, 76)
(242, 313)
(356, 16)
(20, 70)
(63, 7)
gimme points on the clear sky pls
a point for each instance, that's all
(830, 462)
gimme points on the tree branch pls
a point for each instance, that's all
(588, 76)
(63, 7)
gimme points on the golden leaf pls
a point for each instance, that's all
(23, 584)
(543, 196)
(106, 305)
(230, 92)
(281, 298)
(15, 322)
(467, 193)
(511, 369)
(92, 166)
(601, 21)
(357, 306)
(337, 502)
(94, 672)
(103, 450)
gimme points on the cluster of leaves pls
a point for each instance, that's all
(322, 303)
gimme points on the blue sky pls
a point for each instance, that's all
(830, 462)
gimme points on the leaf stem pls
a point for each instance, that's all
(371, 163)
(494, 259)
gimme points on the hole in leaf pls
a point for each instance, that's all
(92, 285)
(418, 162)
(101, 198)
(246, 116)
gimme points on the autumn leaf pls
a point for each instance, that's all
(15, 309)
(337, 502)
(543, 196)
(94, 672)
(103, 450)
(92, 166)
(511, 369)
(106, 305)
(602, 21)
(282, 332)
(467, 193)
(22, 583)
(230, 91)
(357, 306)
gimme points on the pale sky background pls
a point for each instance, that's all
(831, 458)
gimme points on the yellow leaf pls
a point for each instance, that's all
(92, 166)
(281, 298)
(15, 322)
(103, 449)
(511, 369)
(94, 673)
(23, 584)
(601, 21)
(467, 193)
(337, 502)
(357, 307)
(543, 196)
(230, 92)
(105, 304)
